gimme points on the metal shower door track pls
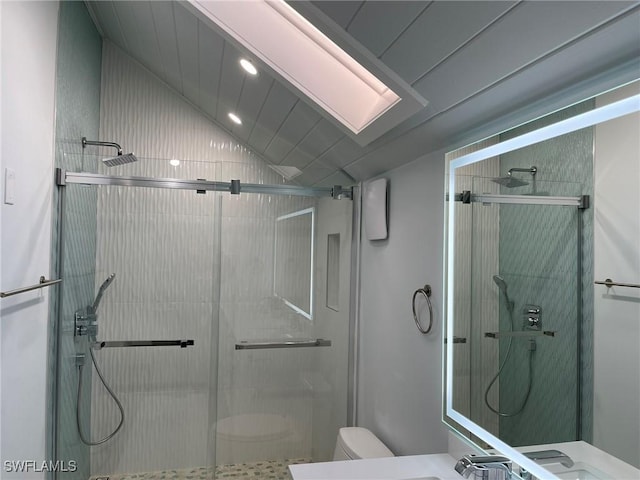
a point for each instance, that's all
(64, 177)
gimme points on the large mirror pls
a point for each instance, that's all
(541, 356)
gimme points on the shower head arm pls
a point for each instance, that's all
(531, 170)
(86, 142)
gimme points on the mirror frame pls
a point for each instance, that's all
(451, 417)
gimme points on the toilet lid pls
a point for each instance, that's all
(359, 442)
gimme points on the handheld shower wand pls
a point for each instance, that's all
(91, 318)
(502, 285)
(101, 290)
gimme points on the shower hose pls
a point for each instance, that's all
(113, 395)
(532, 348)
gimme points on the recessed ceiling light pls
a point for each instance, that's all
(235, 118)
(248, 66)
(174, 162)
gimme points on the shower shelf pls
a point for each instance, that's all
(538, 333)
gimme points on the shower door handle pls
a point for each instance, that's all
(318, 342)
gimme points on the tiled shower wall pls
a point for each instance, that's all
(77, 115)
(190, 266)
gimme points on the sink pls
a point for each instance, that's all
(579, 471)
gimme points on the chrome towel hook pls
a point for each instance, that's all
(426, 292)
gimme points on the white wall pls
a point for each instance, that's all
(29, 38)
(616, 408)
(400, 378)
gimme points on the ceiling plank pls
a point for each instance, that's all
(276, 108)
(210, 59)
(438, 32)
(378, 24)
(323, 136)
(140, 35)
(254, 94)
(188, 51)
(105, 14)
(231, 83)
(340, 11)
(165, 28)
(531, 30)
(344, 152)
(296, 126)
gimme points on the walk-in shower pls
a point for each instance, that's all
(241, 273)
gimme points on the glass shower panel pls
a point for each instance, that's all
(283, 364)
(78, 248)
(163, 246)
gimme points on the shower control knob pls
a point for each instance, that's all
(532, 319)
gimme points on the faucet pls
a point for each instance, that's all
(488, 467)
(544, 457)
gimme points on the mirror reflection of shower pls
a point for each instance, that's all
(502, 285)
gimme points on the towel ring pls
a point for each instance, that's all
(426, 292)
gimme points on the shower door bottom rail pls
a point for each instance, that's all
(318, 342)
(143, 343)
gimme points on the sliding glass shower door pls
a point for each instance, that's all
(224, 333)
(284, 329)
(154, 332)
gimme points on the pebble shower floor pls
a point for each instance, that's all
(267, 470)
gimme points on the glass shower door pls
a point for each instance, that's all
(162, 245)
(284, 329)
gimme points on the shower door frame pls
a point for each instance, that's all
(234, 187)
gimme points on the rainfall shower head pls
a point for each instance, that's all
(502, 285)
(119, 159)
(510, 181)
(101, 290)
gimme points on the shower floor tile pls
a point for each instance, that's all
(267, 470)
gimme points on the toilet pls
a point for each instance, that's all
(357, 442)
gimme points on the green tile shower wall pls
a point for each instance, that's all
(77, 115)
(538, 259)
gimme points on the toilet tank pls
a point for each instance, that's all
(357, 442)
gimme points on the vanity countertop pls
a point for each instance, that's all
(413, 467)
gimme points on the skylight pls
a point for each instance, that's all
(317, 67)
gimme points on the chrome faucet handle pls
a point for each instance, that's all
(543, 457)
(486, 467)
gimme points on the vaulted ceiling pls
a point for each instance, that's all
(474, 62)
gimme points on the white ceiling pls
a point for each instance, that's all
(474, 61)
